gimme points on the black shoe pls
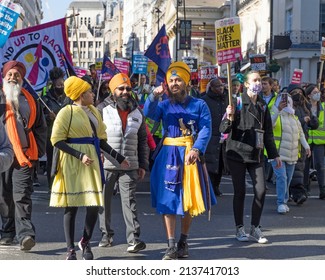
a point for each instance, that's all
(107, 241)
(322, 195)
(71, 255)
(301, 199)
(182, 250)
(36, 182)
(87, 254)
(7, 241)
(27, 243)
(170, 254)
(136, 246)
(217, 192)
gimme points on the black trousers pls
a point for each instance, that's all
(16, 188)
(49, 158)
(256, 171)
(69, 223)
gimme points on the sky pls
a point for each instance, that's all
(54, 9)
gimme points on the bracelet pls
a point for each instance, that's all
(81, 156)
(195, 150)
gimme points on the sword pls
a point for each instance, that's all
(183, 128)
(207, 186)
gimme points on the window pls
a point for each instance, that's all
(90, 44)
(288, 26)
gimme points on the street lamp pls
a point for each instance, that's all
(133, 36)
(144, 35)
(158, 12)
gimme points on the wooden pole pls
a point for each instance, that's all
(229, 87)
(100, 80)
(320, 74)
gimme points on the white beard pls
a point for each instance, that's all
(12, 92)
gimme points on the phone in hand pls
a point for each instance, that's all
(284, 97)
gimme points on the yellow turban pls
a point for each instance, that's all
(74, 87)
(179, 69)
(118, 80)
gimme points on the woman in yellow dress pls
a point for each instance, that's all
(79, 134)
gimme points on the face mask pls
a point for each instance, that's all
(296, 98)
(59, 91)
(255, 88)
(316, 96)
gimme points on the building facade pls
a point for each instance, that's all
(31, 15)
(118, 27)
(86, 32)
(264, 20)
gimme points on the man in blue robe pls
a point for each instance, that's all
(179, 180)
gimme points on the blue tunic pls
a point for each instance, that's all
(193, 111)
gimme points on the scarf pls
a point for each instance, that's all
(11, 125)
(193, 201)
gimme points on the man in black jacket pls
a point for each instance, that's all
(217, 100)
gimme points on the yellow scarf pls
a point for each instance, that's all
(192, 195)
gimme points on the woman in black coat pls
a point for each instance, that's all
(308, 121)
(250, 130)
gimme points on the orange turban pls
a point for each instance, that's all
(118, 80)
(13, 64)
(179, 69)
(74, 87)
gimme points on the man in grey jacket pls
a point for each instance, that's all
(126, 133)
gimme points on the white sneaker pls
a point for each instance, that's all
(257, 235)
(241, 234)
(287, 208)
(282, 209)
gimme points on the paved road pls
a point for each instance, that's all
(297, 235)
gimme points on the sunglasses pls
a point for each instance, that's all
(124, 88)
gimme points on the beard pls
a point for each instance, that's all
(177, 97)
(123, 102)
(12, 91)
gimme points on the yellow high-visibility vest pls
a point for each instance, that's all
(317, 136)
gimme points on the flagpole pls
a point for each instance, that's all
(39, 98)
(75, 27)
(71, 16)
(100, 79)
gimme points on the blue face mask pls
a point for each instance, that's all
(255, 88)
(316, 96)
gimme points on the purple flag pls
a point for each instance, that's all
(69, 69)
(159, 53)
(109, 67)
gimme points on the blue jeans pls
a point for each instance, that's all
(283, 179)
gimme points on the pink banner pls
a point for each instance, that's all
(123, 65)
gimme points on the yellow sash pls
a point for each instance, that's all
(192, 196)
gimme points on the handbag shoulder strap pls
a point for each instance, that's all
(70, 119)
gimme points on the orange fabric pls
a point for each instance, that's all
(124, 117)
(32, 152)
